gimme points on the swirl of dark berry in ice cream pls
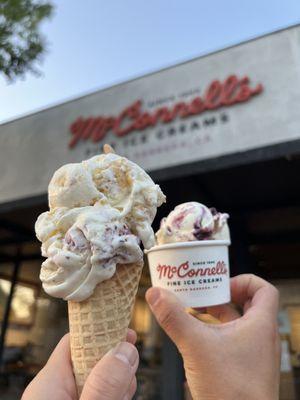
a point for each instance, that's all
(193, 221)
(90, 242)
(75, 240)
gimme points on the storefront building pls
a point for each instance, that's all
(223, 129)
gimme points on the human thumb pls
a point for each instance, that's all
(113, 377)
(170, 314)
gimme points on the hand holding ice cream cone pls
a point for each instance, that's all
(112, 377)
(100, 211)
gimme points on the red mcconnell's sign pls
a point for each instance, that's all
(184, 271)
(218, 94)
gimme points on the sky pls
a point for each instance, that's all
(93, 44)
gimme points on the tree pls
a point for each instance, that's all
(21, 43)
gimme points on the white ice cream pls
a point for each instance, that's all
(193, 221)
(100, 209)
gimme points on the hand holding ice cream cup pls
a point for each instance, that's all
(190, 257)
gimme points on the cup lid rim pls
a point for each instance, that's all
(196, 243)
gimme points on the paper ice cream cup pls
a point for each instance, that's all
(196, 272)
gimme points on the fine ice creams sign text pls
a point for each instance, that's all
(232, 90)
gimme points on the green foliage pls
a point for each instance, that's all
(21, 43)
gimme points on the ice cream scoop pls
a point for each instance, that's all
(112, 180)
(100, 211)
(87, 245)
(193, 221)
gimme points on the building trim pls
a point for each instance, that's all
(266, 153)
(287, 149)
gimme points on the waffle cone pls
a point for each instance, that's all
(99, 323)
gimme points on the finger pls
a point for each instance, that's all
(254, 293)
(224, 313)
(58, 369)
(131, 336)
(171, 316)
(113, 374)
(59, 365)
(61, 353)
(132, 389)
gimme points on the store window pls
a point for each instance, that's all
(289, 329)
(149, 344)
(23, 302)
(36, 323)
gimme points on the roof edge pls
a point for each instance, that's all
(105, 88)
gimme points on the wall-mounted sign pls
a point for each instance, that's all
(133, 118)
(209, 107)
